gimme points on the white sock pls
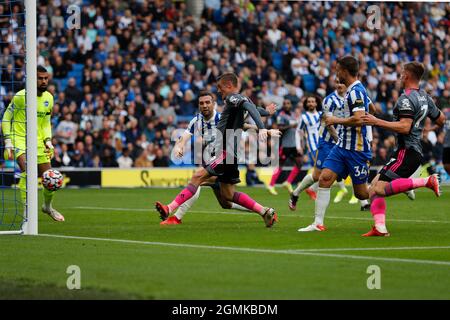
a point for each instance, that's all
(181, 211)
(341, 185)
(235, 206)
(304, 184)
(322, 202)
(315, 186)
(364, 202)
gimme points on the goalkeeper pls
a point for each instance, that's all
(14, 133)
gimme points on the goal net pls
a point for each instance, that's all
(18, 208)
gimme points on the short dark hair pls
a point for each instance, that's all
(416, 68)
(41, 69)
(229, 76)
(350, 64)
(204, 93)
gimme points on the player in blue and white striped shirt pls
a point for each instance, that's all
(352, 154)
(309, 124)
(332, 105)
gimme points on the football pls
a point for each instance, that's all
(52, 179)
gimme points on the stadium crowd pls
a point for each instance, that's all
(129, 76)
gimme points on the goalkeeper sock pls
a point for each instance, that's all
(23, 187)
(48, 198)
(181, 211)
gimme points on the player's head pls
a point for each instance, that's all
(347, 69)
(340, 87)
(227, 83)
(206, 103)
(311, 103)
(287, 105)
(411, 74)
(42, 79)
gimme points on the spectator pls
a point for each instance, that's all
(66, 131)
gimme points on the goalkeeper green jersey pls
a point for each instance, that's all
(14, 120)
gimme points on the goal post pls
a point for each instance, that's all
(30, 225)
(17, 215)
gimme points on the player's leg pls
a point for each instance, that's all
(21, 161)
(48, 195)
(276, 173)
(227, 188)
(310, 178)
(297, 161)
(411, 194)
(333, 167)
(342, 192)
(306, 182)
(200, 176)
(182, 209)
(215, 186)
(394, 179)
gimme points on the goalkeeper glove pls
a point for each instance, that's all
(49, 148)
(9, 150)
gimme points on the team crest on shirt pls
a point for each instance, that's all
(405, 105)
(46, 103)
(234, 99)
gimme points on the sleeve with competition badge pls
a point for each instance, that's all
(236, 100)
(405, 108)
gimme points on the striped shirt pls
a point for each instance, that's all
(309, 123)
(355, 138)
(206, 129)
(333, 105)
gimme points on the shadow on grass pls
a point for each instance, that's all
(24, 289)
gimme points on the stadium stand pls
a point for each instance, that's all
(130, 75)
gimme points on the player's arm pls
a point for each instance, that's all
(253, 112)
(356, 120)
(436, 115)
(403, 126)
(187, 134)
(47, 133)
(181, 142)
(333, 133)
(268, 111)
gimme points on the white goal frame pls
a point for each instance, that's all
(30, 222)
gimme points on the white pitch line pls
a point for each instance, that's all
(253, 250)
(250, 213)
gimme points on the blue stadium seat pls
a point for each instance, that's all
(277, 60)
(78, 67)
(309, 82)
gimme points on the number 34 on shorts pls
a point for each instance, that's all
(361, 171)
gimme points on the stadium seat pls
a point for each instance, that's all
(309, 81)
(277, 60)
(78, 67)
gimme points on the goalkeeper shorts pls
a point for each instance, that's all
(20, 149)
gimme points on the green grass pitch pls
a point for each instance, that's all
(124, 253)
